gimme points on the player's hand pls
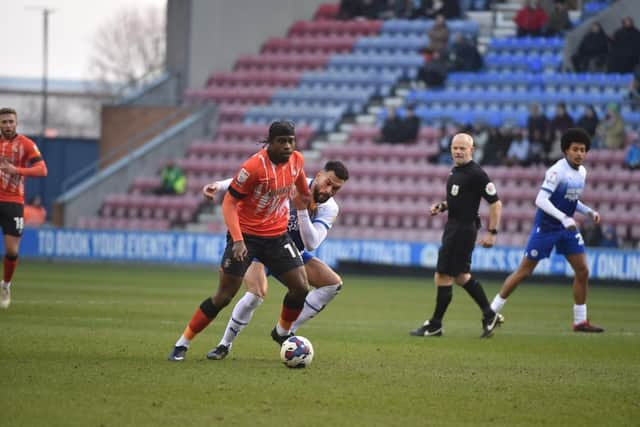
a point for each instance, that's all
(488, 240)
(301, 201)
(595, 216)
(569, 224)
(437, 208)
(239, 250)
(209, 191)
(7, 166)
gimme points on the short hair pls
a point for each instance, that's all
(281, 128)
(577, 135)
(8, 110)
(338, 168)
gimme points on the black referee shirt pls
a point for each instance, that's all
(465, 186)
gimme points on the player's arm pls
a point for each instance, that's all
(301, 184)
(312, 233)
(587, 211)
(37, 167)
(439, 208)
(231, 219)
(241, 185)
(543, 202)
(209, 190)
(495, 214)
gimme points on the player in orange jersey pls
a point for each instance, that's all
(256, 212)
(19, 157)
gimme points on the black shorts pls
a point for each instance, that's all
(458, 242)
(279, 254)
(12, 218)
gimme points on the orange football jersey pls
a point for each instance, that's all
(267, 187)
(19, 151)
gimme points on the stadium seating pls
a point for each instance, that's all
(326, 68)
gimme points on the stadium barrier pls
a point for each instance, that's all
(207, 248)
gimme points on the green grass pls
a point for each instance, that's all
(86, 345)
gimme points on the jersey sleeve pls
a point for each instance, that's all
(32, 153)
(244, 181)
(327, 214)
(551, 180)
(488, 188)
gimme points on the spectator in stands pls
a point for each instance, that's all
(558, 21)
(398, 130)
(555, 152)
(611, 129)
(531, 19)
(410, 125)
(359, 9)
(589, 121)
(632, 158)
(464, 55)
(392, 127)
(623, 56)
(480, 135)
(396, 9)
(561, 121)
(444, 156)
(591, 232)
(634, 89)
(34, 213)
(609, 238)
(538, 149)
(496, 148)
(593, 51)
(538, 126)
(434, 72)
(449, 9)
(439, 35)
(519, 150)
(174, 181)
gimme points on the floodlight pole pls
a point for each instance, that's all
(45, 62)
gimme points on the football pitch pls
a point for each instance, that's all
(86, 345)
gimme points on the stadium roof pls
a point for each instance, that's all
(31, 84)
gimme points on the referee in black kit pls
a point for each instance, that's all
(467, 183)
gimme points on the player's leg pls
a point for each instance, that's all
(326, 285)
(512, 281)
(284, 261)
(539, 246)
(231, 274)
(580, 284)
(443, 279)
(490, 319)
(293, 303)
(255, 280)
(12, 236)
(444, 294)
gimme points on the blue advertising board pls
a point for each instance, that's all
(205, 248)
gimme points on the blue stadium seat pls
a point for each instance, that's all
(391, 43)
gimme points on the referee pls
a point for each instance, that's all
(467, 183)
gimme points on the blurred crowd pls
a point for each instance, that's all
(618, 53)
(511, 145)
(408, 9)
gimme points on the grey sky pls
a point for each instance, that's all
(72, 26)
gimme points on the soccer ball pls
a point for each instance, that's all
(296, 352)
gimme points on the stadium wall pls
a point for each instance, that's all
(206, 248)
(64, 156)
(204, 36)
